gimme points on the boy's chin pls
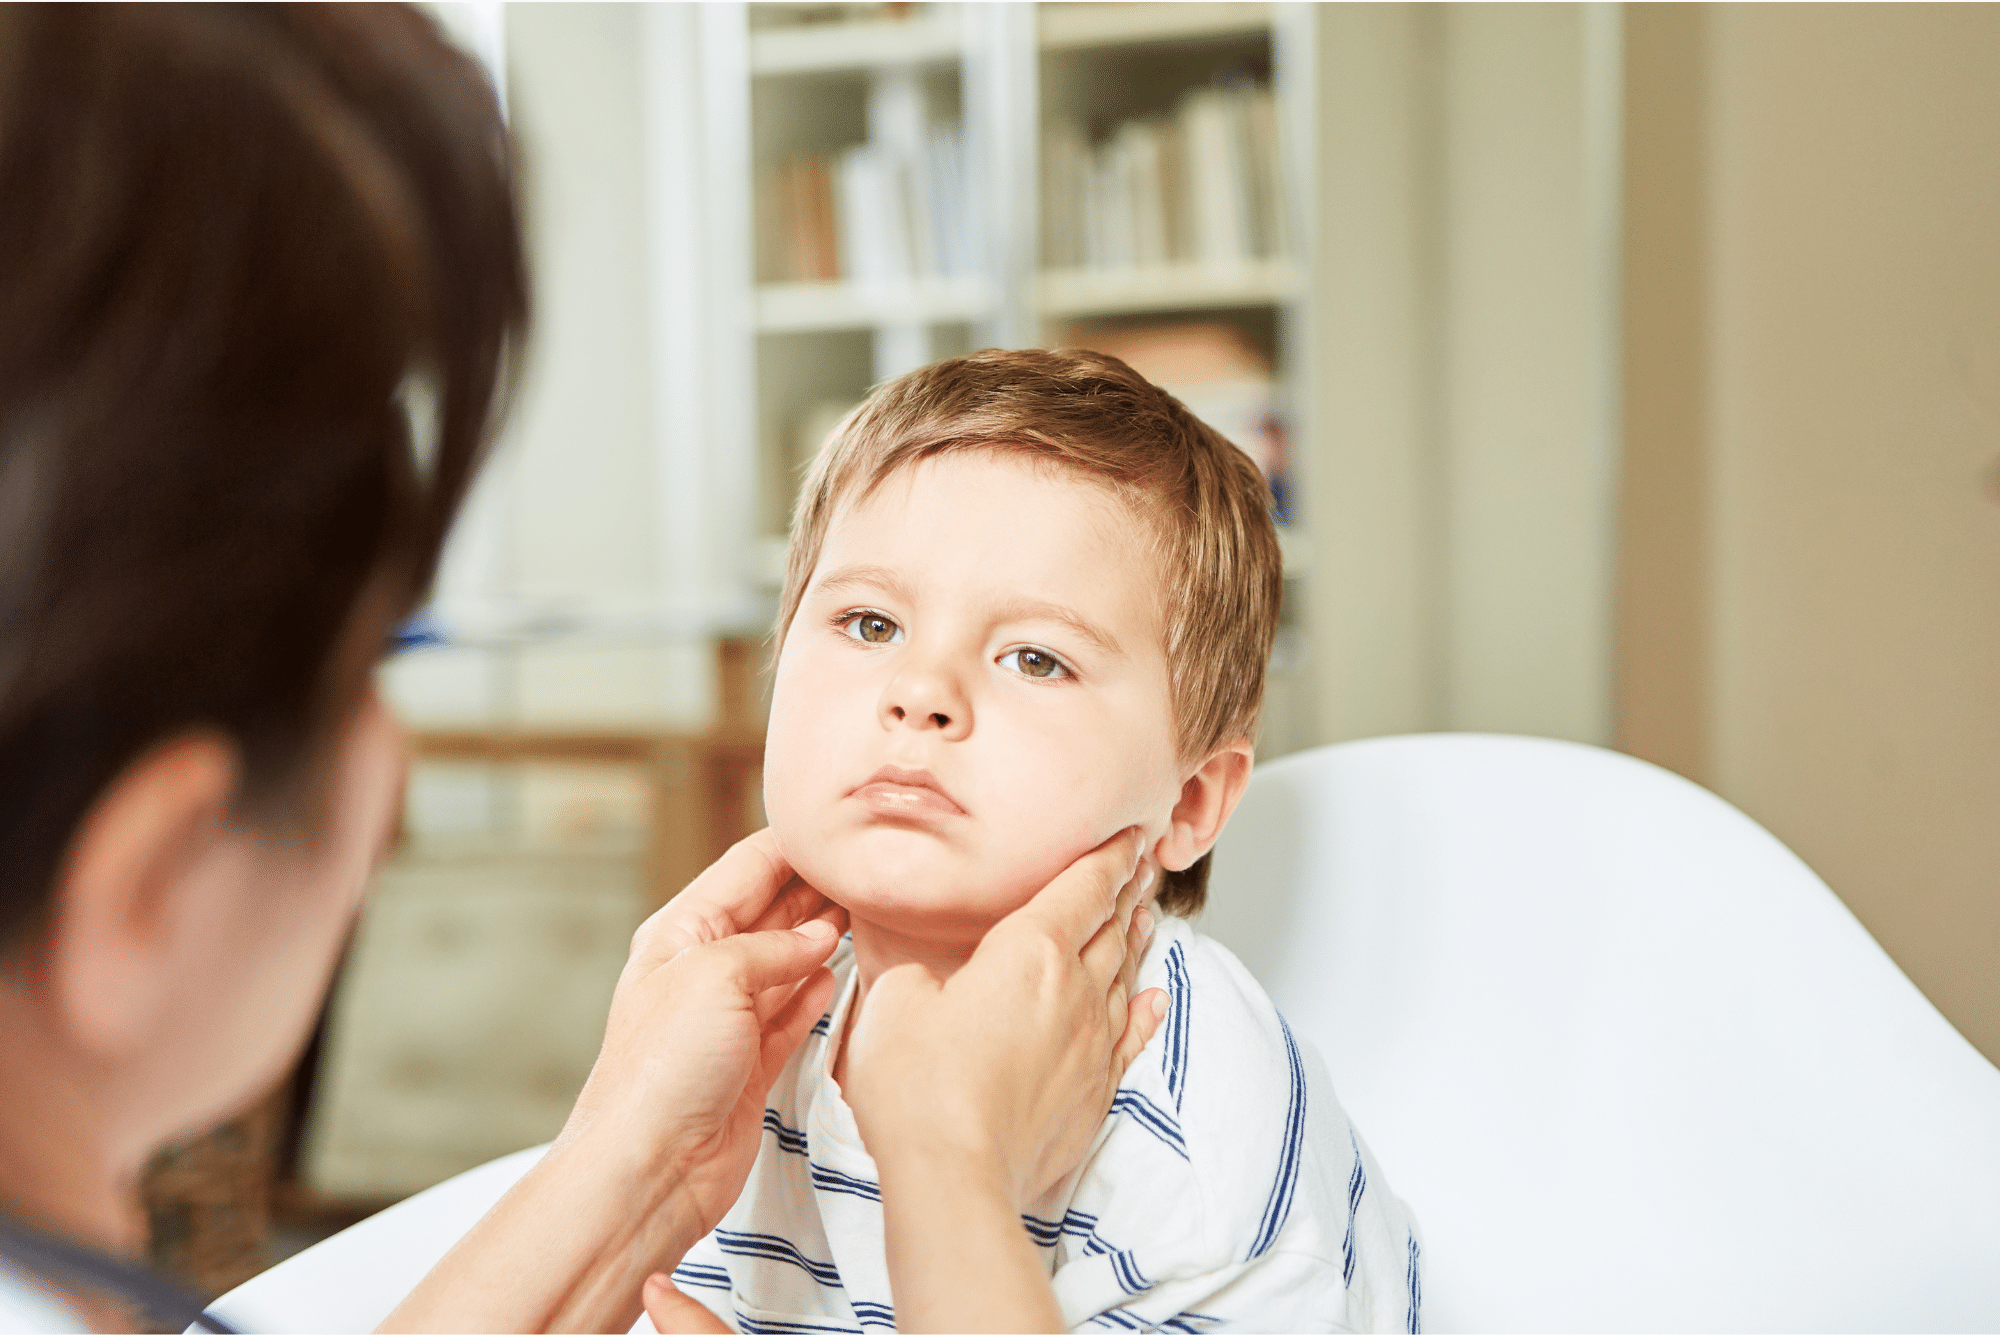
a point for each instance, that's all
(913, 885)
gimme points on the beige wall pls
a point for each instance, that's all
(1819, 540)
(1371, 494)
(1461, 491)
(1661, 681)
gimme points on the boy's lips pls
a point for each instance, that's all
(910, 793)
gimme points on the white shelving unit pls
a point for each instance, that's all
(781, 355)
(792, 308)
(935, 38)
(1068, 293)
(1069, 26)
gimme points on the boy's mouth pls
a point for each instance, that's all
(913, 794)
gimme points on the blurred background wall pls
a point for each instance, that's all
(1812, 388)
(1627, 374)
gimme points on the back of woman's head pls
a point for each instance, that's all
(233, 241)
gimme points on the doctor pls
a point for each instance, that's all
(229, 240)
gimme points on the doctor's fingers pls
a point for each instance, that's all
(673, 1312)
(1071, 909)
(1142, 1020)
(799, 902)
(1113, 954)
(731, 896)
(752, 964)
(787, 1026)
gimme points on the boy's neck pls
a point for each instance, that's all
(878, 949)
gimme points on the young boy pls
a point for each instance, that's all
(1029, 604)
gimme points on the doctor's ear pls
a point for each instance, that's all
(1207, 797)
(121, 895)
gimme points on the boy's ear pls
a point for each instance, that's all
(1207, 798)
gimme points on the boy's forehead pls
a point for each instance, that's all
(1000, 515)
(963, 497)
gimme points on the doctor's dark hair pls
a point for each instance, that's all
(237, 242)
(1220, 573)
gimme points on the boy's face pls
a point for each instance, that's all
(973, 694)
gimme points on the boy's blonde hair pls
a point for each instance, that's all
(1206, 502)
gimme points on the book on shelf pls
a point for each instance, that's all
(875, 213)
(1200, 186)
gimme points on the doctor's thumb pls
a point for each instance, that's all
(673, 1312)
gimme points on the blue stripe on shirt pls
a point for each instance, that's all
(830, 1179)
(771, 1247)
(1152, 1117)
(1125, 1269)
(1045, 1232)
(1357, 1186)
(1077, 1224)
(790, 1141)
(1173, 1060)
(768, 1326)
(701, 1276)
(874, 1314)
(1279, 1206)
(1416, 1322)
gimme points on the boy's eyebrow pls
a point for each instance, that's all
(884, 580)
(1035, 609)
(880, 578)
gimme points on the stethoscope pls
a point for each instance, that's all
(74, 1265)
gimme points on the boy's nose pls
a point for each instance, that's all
(926, 700)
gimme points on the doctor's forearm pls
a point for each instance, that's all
(959, 1258)
(568, 1248)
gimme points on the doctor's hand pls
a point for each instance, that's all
(1016, 1058)
(721, 986)
(718, 991)
(978, 1094)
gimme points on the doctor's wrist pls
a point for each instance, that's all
(973, 1174)
(637, 1172)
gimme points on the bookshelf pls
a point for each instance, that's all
(1068, 26)
(935, 37)
(1171, 116)
(1070, 292)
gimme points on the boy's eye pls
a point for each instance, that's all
(1033, 663)
(872, 628)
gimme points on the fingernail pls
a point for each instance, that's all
(1143, 919)
(1147, 875)
(1159, 1005)
(816, 929)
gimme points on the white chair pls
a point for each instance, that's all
(354, 1279)
(1631, 1062)
(1633, 1065)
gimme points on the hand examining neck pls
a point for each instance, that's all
(877, 950)
(978, 1091)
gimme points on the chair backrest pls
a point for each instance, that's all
(1630, 1061)
(354, 1279)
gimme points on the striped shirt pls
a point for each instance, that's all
(1226, 1188)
